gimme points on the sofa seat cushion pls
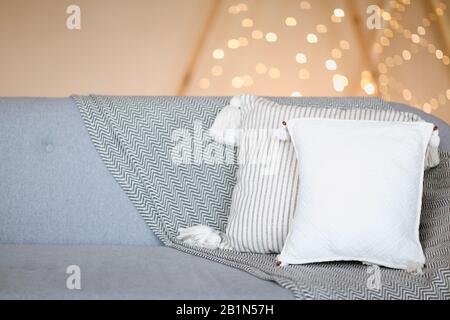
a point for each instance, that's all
(124, 272)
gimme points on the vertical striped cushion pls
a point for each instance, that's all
(264, 197)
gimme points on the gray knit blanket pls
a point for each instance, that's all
(137, 138)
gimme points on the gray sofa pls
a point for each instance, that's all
(60, 206)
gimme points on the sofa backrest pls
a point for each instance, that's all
(54, 187)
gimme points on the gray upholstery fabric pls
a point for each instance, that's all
(124, 272)
(54, 188)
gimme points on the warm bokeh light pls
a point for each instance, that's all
(247, 80)
(407, 95)
(331, 65)
(386, 16)
(336, 53)
(243, 41)
(301, 58)
(271, 37)
(290, 22)
(233, 44)
(415, 38)
(237, 82)
(257, 34)
(305, 5)
(369, 88)
(312, 38)
(247, 23)
(242, 7)
(321, 28)
(406, 54)
(217, 71)
(274, 73)
(421, 30)
(446, 60)
(204, 83)
(340, 82)
(261, 68)
(344, 45)
(303, 74)
(233, 10)
(385, 41)
(335, 19)
(218, 54)
(339, 13)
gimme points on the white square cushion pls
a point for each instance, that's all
(360, 192)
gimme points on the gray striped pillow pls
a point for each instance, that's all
(264, 197)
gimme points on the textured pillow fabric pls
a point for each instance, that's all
(360, 192)
(264, 197)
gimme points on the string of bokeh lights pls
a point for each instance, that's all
(416, 39)
(340, 82)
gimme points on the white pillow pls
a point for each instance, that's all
(360, 192)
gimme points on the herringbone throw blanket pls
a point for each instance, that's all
(136, 138)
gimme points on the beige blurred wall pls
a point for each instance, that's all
(123, 47)
(165, 47)
(418, 27)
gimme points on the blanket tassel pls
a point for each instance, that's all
(203, 236)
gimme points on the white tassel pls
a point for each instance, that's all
(435, 139)
(414, 268)
(200, 236)
(236, 102)
(227, 125)
(282, 133)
